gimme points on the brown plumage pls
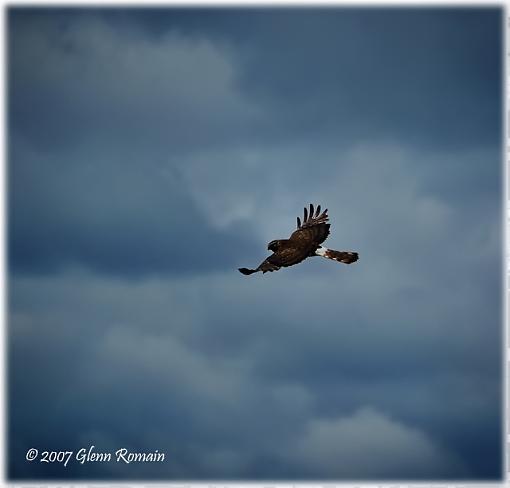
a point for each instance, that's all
(303, 243)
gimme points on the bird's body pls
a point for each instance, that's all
(303, 243)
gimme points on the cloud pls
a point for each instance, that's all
(369, 445)
(195, 406)
(217, 377)
(356, 73)
(189, 139)
(112, 216)
(131, 89)
(109, 194)
(161, 146)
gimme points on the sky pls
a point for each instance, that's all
(152, 152)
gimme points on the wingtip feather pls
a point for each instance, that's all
(247, 271)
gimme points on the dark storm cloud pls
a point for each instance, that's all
(92, 159)
(168, 94)
(170, 145)
(114, 216)
(375, 82)
(346, 73)
(222, 387)
(203, 84)
(379, 85)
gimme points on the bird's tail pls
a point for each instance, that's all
(345, 257)
(247, 271)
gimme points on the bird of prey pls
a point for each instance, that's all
(303, 243)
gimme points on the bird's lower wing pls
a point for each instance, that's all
(267, 265)
(280, 259)
(283, 258)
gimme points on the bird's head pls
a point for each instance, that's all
(273, 246)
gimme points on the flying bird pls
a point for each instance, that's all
(304, 242)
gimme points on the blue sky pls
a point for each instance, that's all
(153, 152)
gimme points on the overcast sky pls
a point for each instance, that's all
(153, 152)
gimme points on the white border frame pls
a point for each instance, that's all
(505, 150)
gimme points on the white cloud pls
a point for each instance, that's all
(367, 445)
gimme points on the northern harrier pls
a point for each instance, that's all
(303, 243)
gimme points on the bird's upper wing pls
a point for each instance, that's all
(313, 231)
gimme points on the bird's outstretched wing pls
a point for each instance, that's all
(313, 231)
